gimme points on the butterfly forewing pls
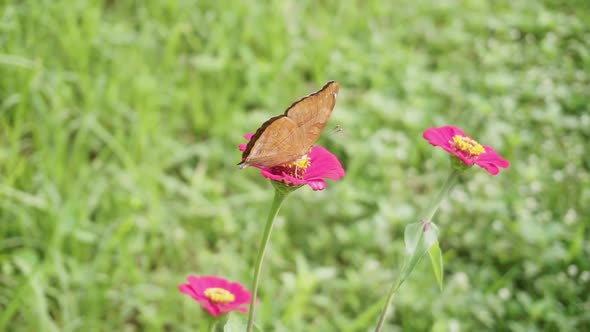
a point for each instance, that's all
(311, 113)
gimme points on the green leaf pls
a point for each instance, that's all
(412, 236)
(238, 323)
(415, 248)
(431, 233)
(419, 237)
(235, 323)
(437, 263)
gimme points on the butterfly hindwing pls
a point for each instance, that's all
(278, 142)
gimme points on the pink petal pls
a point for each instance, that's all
(233, 306)
(188, 290)
(222, 283)
(197, 284)
(242, 309)
(210, 307)
(442, 135)
(324, 165)
(491, 168)
(201, 283)
(241, 294)
(242, 146)
(317, 184)
(465, 159)
(281, 177)
(491, 160)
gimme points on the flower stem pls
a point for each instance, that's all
(427, 219)
(441, 194)
(394, 287)
(274, 210)
(213, 325)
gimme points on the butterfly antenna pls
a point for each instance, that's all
(337, 129)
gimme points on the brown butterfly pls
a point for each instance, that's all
(287, 137)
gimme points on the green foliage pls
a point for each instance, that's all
(235, 324)
(436, 260)
(420, 238)
(119, 125)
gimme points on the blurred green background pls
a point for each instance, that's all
(119, 126)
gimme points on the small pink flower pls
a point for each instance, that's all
(217, 295)
(469, 151)
(311, 169)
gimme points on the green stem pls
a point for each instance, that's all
(441, 194)
(274, 210)
(428, 218)
(213, 325)
(394, 287)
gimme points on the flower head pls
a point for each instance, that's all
(469, 151)
(311, 169)
(217, 295)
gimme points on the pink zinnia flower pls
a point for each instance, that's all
(469, 151)
(217, 295)
(311, 169)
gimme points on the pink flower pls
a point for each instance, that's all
(469, 151)
(217, 295)
(311, 169)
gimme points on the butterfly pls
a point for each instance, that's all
(287, 137)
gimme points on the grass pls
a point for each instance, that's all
(119, 125)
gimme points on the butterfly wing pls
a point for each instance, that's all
(278, 141)
(311, 113)
(287, 137)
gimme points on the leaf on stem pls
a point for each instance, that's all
(235, 323)
(437, 263)
(419, 237)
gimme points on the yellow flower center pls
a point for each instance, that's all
(299, 166)
(302, 163)
(467, 144)
(219, 295)
(295, 168)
